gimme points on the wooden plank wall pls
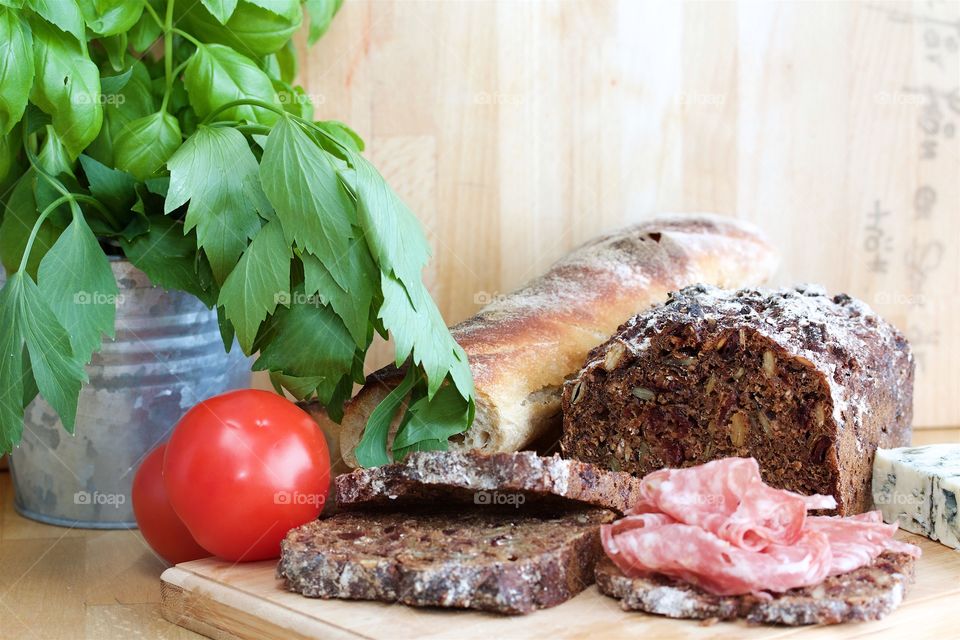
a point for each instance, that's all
(516, 130)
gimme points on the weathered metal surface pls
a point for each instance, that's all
(167, 356)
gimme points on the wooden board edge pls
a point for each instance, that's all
(185, 601)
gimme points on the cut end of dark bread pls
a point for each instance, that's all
(444, 478)
(869, 593)
(503, 561)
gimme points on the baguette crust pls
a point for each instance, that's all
(524, 345)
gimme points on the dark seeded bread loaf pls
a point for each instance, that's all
(807, 384)
(869, 593)
(440, 477)
(508, 562)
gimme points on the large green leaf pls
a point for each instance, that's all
(110, 17)
(304, 339)
(259, 282)
(63, 13)
(20, 216)
(302, 185)
(392, 231)
(145, 144)
(78, 285)
(433, 420)
(54, 157)
(67, 86)
(371, 451)
(58, 374)
(146, 30)
(16, 68)
(417, 327)
(114, 188)
(126, 98)
(221, 9)
(321, 15)
(170, 259)
(251, 30)
(11, 371)
(352, 306)
(217, 75)
(216, 171)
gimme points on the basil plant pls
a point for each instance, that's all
(171, 132)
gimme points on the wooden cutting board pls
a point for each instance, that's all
(228, 601)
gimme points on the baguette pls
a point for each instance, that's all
(522, 346)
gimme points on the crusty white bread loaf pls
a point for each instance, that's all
(522, 346)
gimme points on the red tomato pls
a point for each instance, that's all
(242, 469)
(161, 527)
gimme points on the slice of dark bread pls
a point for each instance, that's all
(485, 479)
(868, 593)
(506, 561)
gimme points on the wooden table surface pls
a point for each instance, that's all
(76, 583)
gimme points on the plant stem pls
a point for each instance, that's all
(153, 13)
(36, 227)
(168, 54)
(242, 102)
(187, 36)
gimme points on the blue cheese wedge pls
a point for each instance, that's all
(917, 487)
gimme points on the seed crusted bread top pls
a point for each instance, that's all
(868, 593)
(475, 477)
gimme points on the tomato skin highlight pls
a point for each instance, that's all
(242, 469)
(160, 525)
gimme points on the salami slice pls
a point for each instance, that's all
(719, 527)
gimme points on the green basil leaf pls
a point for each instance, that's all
(216, 171)
(146, 144)
(251, 30)
(116, 48)
(260, 281)
(67, 86)
(65, 14)
(171, 260)
(53, 156)
(9, 149)
(303, 339)
(58, 374)
(221, 9)
(20, 216)
(289, 9)
(13, 4)
(217, 75)
(433, 420)
(11, 370)
(145, 31)
(114, 188)
(352, 306)
(110, 17)
(77, 283)
(125, 98)
(16, 68)
(346, 138)
(371, 451)
(321, 15)
(286, 61)
(302, 185)
(294, 99)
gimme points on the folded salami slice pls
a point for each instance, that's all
(718, 527)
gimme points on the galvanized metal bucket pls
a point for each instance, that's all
(166, 357)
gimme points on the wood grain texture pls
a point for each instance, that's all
(517, 130)
(247, 601)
